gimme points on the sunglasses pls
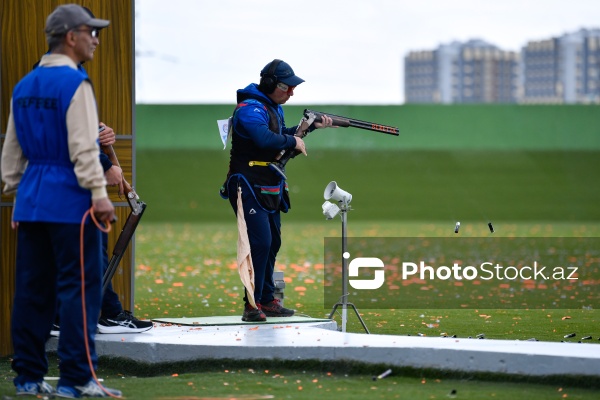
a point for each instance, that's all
(286, 88)
(93, 32)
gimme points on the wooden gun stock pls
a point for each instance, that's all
(137, 210)
(121, 246)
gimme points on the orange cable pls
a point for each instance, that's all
(83, 307)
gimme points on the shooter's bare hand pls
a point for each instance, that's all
(107, 137)
(326, 122)
(104, 209)
(114, 177)
(300, 146)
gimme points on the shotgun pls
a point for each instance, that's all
(133, 219)
(346, 122)
(310, 117)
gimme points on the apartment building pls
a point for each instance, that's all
(564, 69)
(471, 72)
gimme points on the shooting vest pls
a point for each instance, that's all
(48, 190)
(268, 187)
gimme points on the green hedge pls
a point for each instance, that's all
(457, 162)
(424, 127)
(455, 185)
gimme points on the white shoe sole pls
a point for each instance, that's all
(121, 329)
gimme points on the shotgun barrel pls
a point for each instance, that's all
(346, 122)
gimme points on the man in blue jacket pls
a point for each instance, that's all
(259, 136)
(50, 162)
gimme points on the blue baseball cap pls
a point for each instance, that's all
(284, 73)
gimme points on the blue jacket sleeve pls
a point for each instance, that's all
(106, 164)
(252, 121)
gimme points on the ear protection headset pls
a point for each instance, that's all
(268, 80)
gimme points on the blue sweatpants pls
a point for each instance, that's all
(264, 234)
(48, 271)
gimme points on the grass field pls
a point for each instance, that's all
(238, 380)
(189, 270)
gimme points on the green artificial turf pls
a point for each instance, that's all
(238, 380)
(189, 270)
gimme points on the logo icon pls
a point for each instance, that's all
(366, 262)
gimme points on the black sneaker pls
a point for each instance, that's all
(252, 314)
(274, 309)
(125, 322)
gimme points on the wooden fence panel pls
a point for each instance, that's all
(22, 43)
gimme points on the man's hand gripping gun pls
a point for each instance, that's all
(137, 210)
(310, 117)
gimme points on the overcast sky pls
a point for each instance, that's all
(348, 51)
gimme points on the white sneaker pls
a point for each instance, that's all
(90, 389)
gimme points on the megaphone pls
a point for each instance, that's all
(336, 193)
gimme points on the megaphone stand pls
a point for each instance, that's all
(344, 208)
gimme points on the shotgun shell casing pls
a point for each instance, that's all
(491, 227)
(457, 227)
(382, 375)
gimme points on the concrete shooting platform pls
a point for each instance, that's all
(301, 338)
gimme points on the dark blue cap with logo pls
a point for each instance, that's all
(284, 73)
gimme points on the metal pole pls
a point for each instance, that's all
(344, 270)
(344, 302)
